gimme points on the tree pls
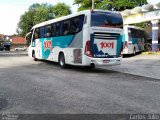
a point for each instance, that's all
(117, 5)
(61, 9)
(26, 22)
(38, 13)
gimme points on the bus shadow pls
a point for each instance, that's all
(131, 55)
(50, 63)
(90, 70)
(78, 68)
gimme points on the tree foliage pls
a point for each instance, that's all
(38, 13)
(117, 5)
(61, 9)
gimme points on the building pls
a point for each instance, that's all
(18, 41)
(148, 29)
(146, 13)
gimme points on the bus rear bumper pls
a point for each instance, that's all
(106, 61)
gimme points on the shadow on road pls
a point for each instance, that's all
(78, 68)
(131, 55)
(90, 70)
(81, 69)
(13, 53)
(3, 103)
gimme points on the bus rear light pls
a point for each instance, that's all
(88, 50)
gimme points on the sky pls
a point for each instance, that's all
(11, 10)
(153, 1)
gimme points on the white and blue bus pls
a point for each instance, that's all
(135, 39)
(87, 38)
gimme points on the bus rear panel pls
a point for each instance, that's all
(105, 43)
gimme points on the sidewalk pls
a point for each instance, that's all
(142, 65)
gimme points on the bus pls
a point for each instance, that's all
(135, 39)
(87, 38)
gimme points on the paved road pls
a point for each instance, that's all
(43, 87)
(142, 65)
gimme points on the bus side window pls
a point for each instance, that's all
(81, 21)
(129, 34)
(48, 31)
(41, 32)
(133, 33)
(75, 26)
(66, 27)
(57, 29)
(53, 30)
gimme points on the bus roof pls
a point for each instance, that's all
(68, 16)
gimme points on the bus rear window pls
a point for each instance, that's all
(106, 19)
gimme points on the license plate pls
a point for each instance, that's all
(106, 61)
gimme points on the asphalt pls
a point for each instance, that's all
(30, 87)
(141, 65)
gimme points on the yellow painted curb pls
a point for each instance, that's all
(151, 53)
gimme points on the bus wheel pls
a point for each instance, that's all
(92, 66)
(134, 51)
(62, 61)
(34, 56)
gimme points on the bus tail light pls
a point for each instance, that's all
(88, 50)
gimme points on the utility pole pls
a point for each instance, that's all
(92, 4)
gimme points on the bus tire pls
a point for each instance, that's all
(92, 66)
(134, 51)
(61, 61)
(34, 56)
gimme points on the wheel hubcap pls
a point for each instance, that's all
(62, 62)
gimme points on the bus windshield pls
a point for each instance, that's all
(106, 19)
